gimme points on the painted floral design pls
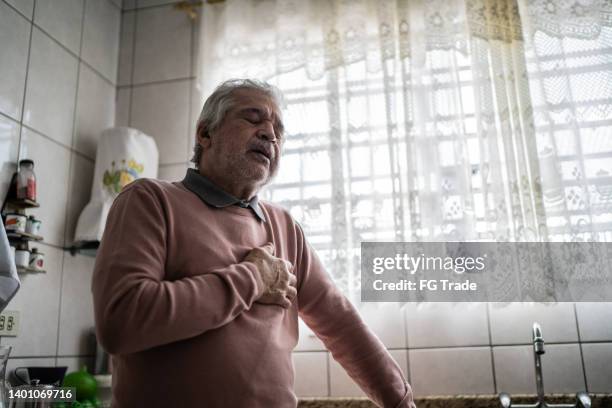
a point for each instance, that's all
(116, 178)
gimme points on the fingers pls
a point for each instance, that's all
(269, 248)
(291, 293)
(292, 280)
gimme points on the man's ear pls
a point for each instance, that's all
(203, 137)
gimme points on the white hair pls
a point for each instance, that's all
(221, 101)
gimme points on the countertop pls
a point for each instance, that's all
(464, 401)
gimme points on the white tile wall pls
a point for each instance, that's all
(25, 7)
(101, 37)
(391, 329)
(562, 368)
(126, 48)
(76, 310)
(163, 45)
(15, 34)
(122, 108)
(310, 374)
(195, 45)
(129, 4)
(447, 324)
(51, 186)
(76, 363)
(161, 111)
(595, 321)
(9, 148)
(172, 172)
(197, 102)
(451, 371)
(341, 385)
(62, 20)
(117, 3)
(51, 86)
(47, 88)
(95, 110)
(514, 369)
(598, 366)
(308, 341)
(79, 192)
(38, 303)
(511, 323)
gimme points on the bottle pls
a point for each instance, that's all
(26, 180)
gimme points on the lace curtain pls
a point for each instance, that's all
(414, 120)
(569, 59)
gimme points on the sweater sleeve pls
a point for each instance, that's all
(135, 307)
(337, 323)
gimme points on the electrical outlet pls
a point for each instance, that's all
(9, 323)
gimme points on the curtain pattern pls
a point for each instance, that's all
(411, 120)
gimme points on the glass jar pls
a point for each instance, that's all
(26, 180)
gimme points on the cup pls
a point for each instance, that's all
(37, 260)
(22, 257)
(15, 222)
(33, 226)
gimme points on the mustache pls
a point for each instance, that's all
(262, 147)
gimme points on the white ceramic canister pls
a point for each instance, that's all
(37, 260)
(22, 258)
(15, 223)
(33, 225)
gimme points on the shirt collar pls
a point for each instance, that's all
(217, 197)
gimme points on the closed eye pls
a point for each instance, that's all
(253, 120)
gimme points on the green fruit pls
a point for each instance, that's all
(96, 402)
(86, 386)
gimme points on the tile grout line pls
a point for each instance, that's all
(328, 370)
(25, 85)
(474, 346)
(493, 373)
(49, 138)
(586, 384)
(154, 6)
(191, 85)
(407, 343)
(133, 64)
(160, 82)
(70, 170)
(19, 12)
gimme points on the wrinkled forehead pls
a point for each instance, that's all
(251, 98)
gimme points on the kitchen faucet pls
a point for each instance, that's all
(582, 398)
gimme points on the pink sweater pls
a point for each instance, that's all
(175, 306)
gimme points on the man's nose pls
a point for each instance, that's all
(266, 131)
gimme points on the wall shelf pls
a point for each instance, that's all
(22, 203)
(21, 269)
(18, 239)
(23, 236)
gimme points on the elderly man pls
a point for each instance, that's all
(198, 285)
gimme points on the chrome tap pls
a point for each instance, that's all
(582, 398)
(538, 350)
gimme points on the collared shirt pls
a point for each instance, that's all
(213, 195)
